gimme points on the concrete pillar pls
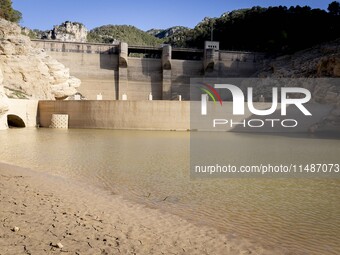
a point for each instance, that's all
(123, 70)
(123, 54)
(209, 60)
(166, 64)
(166, 57)
(211, 52)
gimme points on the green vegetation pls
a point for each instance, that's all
(128, 34)
(334, 8)
(173, 35)
(28, 32)
(74, 23)
(274, 29)
(32, 35)
(278, 30)
(16, 94)
(167, 33)
(8, 13)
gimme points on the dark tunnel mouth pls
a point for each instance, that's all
(15, 121)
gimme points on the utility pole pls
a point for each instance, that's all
(212, 31)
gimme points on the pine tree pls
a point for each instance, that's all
(7, 12)
(334, 8)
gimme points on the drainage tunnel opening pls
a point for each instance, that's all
(15, 121)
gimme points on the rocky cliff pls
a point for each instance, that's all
(3, 99)
(322, 61)
(29, 73)
(165, 33)
(68, 32)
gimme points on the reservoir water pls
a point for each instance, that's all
(152, 168)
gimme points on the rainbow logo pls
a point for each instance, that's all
(212, 92)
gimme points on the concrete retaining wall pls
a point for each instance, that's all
(144, 115)
(168, 115)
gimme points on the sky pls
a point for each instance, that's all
(144, 14)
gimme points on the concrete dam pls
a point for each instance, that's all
(136, 71)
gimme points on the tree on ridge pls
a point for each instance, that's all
(334, 8)
(8, 13)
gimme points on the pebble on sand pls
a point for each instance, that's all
(15, 229)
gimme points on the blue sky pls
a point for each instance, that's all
(144, 14)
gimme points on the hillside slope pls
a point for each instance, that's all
(123, 33)
(321, 61)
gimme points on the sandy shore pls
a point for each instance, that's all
(38, 211)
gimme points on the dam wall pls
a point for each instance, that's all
(136, 71)
(153, 115)
(170, 115)
(145, 76)
(138, 115)
(98, 72)
(182, 71)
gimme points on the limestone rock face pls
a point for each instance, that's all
(322, 61)
(29, 72)
(1, 77)
(4, 107)
(3, 101)
(69, 32)
(329, 66)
